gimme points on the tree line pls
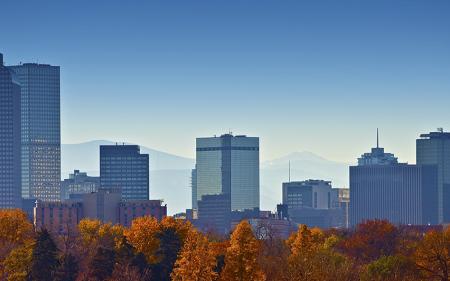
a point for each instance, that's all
(173, 249)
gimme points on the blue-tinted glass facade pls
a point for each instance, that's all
(9, 139)
(124, 167)
(40, 135)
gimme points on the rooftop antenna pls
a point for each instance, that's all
(289, 170)
(378, 142)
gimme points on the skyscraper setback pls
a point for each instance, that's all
(434, 149)
(40, 130)
(9, 139)
(229, 165)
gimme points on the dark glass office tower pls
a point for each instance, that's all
(124, 167)
(434, 149)
(382, 188)
(9, 139)
(40, 136)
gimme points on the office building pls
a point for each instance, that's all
(77, 184)
(40, 130)
(10, 181)
(124, 167)
(317, 194)
(214, 213)
(230, 165)
(102, 205)
(386, 189)
(434, 149)
(132, 209)
(194, 188)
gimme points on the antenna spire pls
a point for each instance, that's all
(289, 170)
(378, 142)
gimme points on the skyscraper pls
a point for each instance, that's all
(124, 167)
(434, 149)
(230, 165)
(40, 136)
(382, 188)
(9, 139)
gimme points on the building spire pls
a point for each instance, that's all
(378, 142)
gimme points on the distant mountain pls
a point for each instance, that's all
(170, 174)
(87, 156)
(304, 165)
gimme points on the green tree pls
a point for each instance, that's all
(44, 257)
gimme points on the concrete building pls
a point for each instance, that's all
(434, 149)
(102, 205)
(58, 217)
(124, 167)
(230, 165)
(40, 130)
(78, 183)
(132, 209)
(10, 179)
(385, 189)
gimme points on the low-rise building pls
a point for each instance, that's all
(58, 217)
(132, 209)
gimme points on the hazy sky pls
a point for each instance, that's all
(302, 75)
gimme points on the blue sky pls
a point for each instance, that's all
(303, 75)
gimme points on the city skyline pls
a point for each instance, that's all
(296, 74)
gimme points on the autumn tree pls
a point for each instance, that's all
(391, 268)
(15, 231)
(142, 236)
(17, 265)
(241, 257)
(432, 256)
(313, 257)
(196, 261)
(371, 240)
(44, 257)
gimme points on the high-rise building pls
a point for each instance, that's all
(10, 186)
(382, 188)
(124, 167)
(194, 189)
(229, 165)
(40, 136)
(434, 149)
(77, 184)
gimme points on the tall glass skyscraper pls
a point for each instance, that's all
(9, 139)
(124, 167)
(40, 136)
(230, 165)
(434, 149)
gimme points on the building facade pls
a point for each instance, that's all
(230, 165)
(102, 205)
(10, 179)
(214, 213)
(434, 149)
(58, 217)
(132, 209)
(78, 183)
(124, 167)
(40, 130)
(317, 194)
(400, 193)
